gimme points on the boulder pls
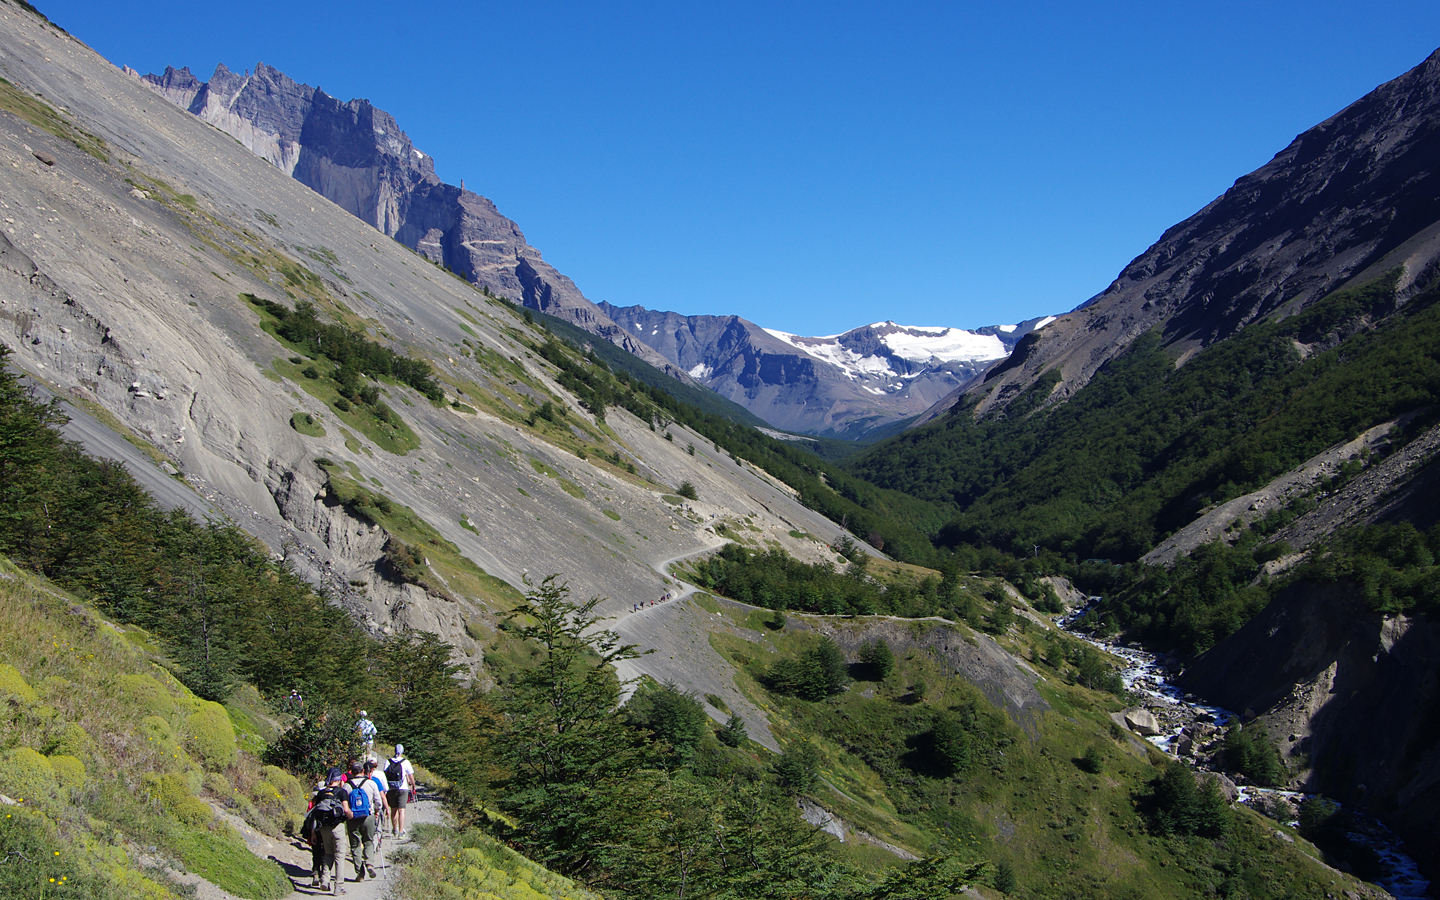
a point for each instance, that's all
(1142, 721)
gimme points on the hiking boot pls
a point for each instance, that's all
(370, 870)
(359, 874)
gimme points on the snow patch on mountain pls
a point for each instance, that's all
(856, 352)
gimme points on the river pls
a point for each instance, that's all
(1146, 677)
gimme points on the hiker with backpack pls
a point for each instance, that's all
(401, 777)
(330, 808)
(366, 730)
(364, 806)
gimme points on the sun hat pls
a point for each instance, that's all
(333, 775)
(399, 749)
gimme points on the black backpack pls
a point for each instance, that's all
(395, 773)
(329, 811)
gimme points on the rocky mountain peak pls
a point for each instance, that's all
(358, 157)
(1353, 196)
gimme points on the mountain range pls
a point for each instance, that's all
(358, 157)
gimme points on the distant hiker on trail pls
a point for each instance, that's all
(401, 776)
(294, 704)
(331, 807)
(377, 777)
(366, 729)
(364, 804)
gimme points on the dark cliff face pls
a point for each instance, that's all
(1350, 693)
(357, 157)
(1355, 195)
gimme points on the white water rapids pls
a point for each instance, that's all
(1146, 678)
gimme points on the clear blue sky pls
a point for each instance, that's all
(817, 166)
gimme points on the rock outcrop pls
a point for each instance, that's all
(357, 157)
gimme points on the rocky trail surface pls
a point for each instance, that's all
(1184, 726)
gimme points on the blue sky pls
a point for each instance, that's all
(817, 166)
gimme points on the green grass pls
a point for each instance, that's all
(611, 514)
(307, 425)
(392, 436)
(100, 697)
(45, 117)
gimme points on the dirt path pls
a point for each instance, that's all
(294, 857)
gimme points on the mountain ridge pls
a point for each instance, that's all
(844, 385)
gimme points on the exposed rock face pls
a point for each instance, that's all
(1353, 196)
(1351, 692)
(357, 157)
(841, 386)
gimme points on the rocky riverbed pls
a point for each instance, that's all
(1184, 726)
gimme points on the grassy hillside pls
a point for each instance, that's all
(1064, 806)
(114, 771)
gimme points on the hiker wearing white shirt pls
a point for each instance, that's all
(401, 776)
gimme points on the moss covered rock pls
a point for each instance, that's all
(211, 736)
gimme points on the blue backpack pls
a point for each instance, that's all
(359, 801)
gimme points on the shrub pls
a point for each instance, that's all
(13, 684)
(1182, 807)
(69, 771)
(225, 861)
(673, 715)
(212, 735)
(170, 791)
(27, 776)
(687, 490)
(71, 740)
(143, 689)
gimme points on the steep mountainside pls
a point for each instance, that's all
(357, 157)
(1355, 195)
(840, 386)
(137, 243)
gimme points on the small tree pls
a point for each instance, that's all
(734, 733)
(672, 715)
(797, 769)
(878, 660)
(687, 490)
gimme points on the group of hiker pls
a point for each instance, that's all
(636, 607)
(365, 798)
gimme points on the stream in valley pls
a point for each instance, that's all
(1184, 723)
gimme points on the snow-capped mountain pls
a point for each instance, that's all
(842, 385)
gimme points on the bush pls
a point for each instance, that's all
(226, 862)
(71, 740)
(145, 690)
(687, 490)
(1182, 807)
(26, 776)
(212, 735)
(13, 684)
(69, 771)
(170, 791)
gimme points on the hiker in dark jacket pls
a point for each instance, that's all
(331, 809)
